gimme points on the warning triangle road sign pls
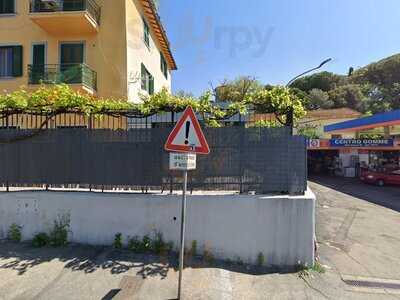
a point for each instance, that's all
(187, 135)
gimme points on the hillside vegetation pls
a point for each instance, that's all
(371, 89)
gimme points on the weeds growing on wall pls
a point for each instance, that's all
(59, 233)
(193, 249)
(118, 241)
(14, 233)
(260, 259)
(135, 244)
(158, 244)
(153, 243)
(40, 240)
(58, 236)
(208, 257)
(305, 271)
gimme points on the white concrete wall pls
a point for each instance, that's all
(231, 226)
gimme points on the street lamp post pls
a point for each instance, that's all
(290, 114)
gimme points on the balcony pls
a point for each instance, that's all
(66, 16)
(78, 75)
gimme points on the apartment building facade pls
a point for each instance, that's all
(107, 48)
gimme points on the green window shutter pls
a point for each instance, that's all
(151, 85)
(143, 77)
(7, 7)
(17, 61)
(164, 66)
(38, 54)
(147, 80)
(146, 30)
(72, 53)
(10, 6)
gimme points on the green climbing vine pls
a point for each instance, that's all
(57, 99)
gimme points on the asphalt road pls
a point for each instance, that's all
(358, 234)
(387, 196)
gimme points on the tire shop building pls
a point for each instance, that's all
(371, 142)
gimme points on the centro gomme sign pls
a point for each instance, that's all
(361, 143)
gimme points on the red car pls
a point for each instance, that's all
(381, 178)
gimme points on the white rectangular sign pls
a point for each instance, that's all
(182, 161)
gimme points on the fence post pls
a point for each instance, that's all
(288, 162)
(240, 155)
(90, 125)
(90, 122)
(7, 185)
(171, 178)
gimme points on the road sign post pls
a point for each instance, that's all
(183, 230)
(185, 141)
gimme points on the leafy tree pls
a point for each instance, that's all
(350, 95)
(319, 99)
(373, 88)
(382, 80)
(383, 73)
(383, 98)
(324, 81)
(238, 90)
(309, 131)
(278, 100)
(303, 96)
(266, 124)
(184, 94)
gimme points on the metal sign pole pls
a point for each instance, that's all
(184, 142)
(183, 225)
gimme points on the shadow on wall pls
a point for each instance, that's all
(22, 257)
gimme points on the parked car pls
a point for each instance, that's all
(381, 178)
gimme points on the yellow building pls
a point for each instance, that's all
(108, 48)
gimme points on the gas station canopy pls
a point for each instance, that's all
(391, 118)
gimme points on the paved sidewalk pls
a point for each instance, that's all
(359, 240)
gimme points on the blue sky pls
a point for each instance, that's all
(275, 40)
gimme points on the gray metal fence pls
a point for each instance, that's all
(241, 159)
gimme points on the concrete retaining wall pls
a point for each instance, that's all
(231, 226)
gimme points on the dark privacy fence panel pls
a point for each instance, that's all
(243, 159)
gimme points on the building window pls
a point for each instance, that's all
(7, 6)
(10, 61)
(146, 31)
(6, 58)
(164, 66)
(147, 81)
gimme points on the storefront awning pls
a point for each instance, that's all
(354, 144)
(379, 120)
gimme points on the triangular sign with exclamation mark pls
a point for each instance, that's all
(187, 135)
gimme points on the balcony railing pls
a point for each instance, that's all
(64, 73)
(90, 6)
